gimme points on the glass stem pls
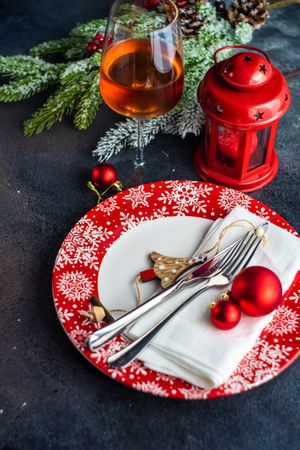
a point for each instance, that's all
(139, 160)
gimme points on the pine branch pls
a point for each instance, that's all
(124, 134)
(188, 120)
(89, 102)
(90, 28)
(78, 50)
(114, 140)
(75, 69)
(20, 66)
(55, 47)
(151, 128)
(60, 103)
(26, 87)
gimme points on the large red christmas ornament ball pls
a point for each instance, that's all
(225, 314)
(257, 290)
(104, 175)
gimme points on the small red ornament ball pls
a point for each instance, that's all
(148, 4)
(225, 314)
(104, 175)
(91, 48)
(98, 39)
(257, 290)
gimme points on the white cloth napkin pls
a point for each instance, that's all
(190, 347)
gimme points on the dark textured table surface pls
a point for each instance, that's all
(50, 397)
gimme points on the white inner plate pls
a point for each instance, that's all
(171, 236)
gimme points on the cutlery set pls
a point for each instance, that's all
(216, 271)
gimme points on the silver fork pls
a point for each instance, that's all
(192, 275)
(229, 266)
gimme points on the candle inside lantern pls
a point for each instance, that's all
(228, 142)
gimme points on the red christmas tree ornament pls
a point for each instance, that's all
(91, 48)
(243, 99)
(149, 4)
(225, 314)
(98, 39)
(103, 175)
(257, 290)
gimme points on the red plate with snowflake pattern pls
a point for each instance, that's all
(79, 260)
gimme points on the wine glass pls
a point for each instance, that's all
(142, 73)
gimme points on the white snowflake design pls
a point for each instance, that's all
(229, 198)
(103, 353)
(108, 206)
(152, 388)
(138, 196)
(79, 337)
(285, 321)
(81, 245)
(295, 297)
(261, 364)
(75, 286)
(236, 383)
(64, 314)
(194, 393)
(184, 196)
(130, 221)
(263, 213)
(137, 368)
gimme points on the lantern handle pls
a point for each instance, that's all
(249, 47)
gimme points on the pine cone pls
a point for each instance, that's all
(254, 12)
(190, 19)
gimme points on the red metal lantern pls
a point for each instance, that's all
(243, 98)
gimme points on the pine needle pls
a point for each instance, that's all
(89, 102)
(60, 103)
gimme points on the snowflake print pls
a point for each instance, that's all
(129, 222)
(185, 196)
(259, 365)
(236, 383)
(138, 368)
(285, 321)
(193, 393)
(138, 196)
(79, 337)
(81, 245)
(295, 297)
(229, 198)
(107, 350)
(152, 388)
(164, 377)
(160, 213)
(108, 206)
(263, 213)
(64, 315)
(117, 372)
(75, 286)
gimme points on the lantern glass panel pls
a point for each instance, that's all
(227, 146)
(259, 154)
(207, 138)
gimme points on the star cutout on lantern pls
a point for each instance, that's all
(286, 97)
(248, 58)
(258, 115)
(218, 109)
(263, 68)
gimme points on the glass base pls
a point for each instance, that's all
(157, 166)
